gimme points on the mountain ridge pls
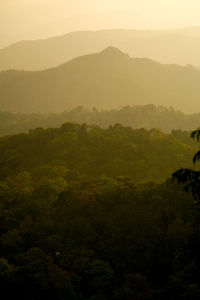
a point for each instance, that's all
(101, 81)
(163, 46)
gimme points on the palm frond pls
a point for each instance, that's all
(185, 175)
(196, 135)
(196, 157)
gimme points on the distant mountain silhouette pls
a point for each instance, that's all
(174, 46)
(107, 79)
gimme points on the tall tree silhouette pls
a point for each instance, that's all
(190, 178)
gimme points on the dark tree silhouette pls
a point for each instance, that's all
(190, 178)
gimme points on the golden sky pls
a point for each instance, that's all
(17, 16)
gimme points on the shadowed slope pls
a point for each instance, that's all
(107, 79)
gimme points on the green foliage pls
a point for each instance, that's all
(147, 116)
(99, 239)
(55, 157)
(81, 218)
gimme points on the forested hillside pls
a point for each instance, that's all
(100, 150)
(76, 152)
(81, 218)
(103, 239)
(147, 117)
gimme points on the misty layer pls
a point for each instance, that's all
(167, 46)
(104, 80)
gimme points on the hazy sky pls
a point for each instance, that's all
(17, 16)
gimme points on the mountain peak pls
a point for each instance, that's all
(113, 51)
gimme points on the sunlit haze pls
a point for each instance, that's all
(41, 18)
(99, 176)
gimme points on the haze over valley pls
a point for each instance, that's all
(99, 149)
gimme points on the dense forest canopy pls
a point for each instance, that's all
(143, 116)
(99, 239)
(83, 151)
(80, 220)
(88, 206)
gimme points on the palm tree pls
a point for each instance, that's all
(190, 178)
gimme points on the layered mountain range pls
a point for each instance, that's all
(107, 79)
(166, 46)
